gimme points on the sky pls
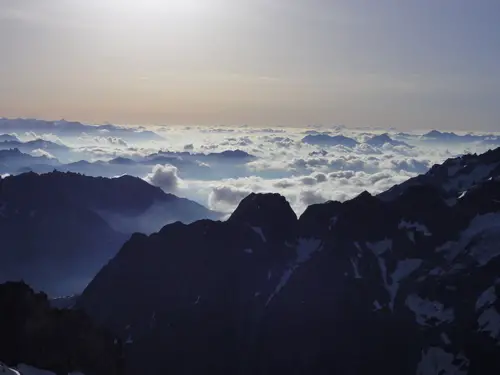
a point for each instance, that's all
(415, 64)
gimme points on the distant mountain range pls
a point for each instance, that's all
(324, 139)
(329, 140)
(437, 136)
(58, 229)
(29, 146)
(14, 160)
(406, 282)
(41, 156)
(8, 138)
(75, 129)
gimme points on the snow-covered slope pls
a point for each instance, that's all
(23, 369)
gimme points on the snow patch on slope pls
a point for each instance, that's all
(436, 361)
(380, 247)
(444, 337)
(489, 321)
(411, 236)
(484, 227)
(7, 370)
(23, 369)
(487, 298)
(464, 181)
(259, 231)
(354, 262)
(304, 249)
(414, 226)
(426, 310)
(403, 269)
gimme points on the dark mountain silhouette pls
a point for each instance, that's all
(450, 137)
(75, 129)
(11, 160)
(454, 176)
(58, 229)
(8, 137)
(224, 156)
(34, 334)
(33, 145)
(193, 165)
(402, 283)
(231, 154)
(122, 161)
(381, 139)
(323, 139)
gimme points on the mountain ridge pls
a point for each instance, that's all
(58, 229)
(321, 290)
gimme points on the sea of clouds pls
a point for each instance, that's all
(306, 165)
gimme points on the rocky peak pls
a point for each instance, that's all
(318, 218)
(269, 213)
(364, 217)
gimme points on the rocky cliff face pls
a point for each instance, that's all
(60, 341)
(402, 283)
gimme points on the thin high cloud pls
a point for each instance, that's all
(42, 153)
(219, 166)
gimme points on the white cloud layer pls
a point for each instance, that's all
(39, 152)
(32, 136)
(304, 173)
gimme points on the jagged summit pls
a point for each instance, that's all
(381, 139)
(10, 151)
(257, 207)
(270, 212)
(364, 196)
(454, 176)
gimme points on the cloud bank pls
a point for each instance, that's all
(219, 166)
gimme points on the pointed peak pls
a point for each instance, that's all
(258, 206)
(364, 196)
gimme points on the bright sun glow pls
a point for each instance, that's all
(177, 12)
(177, 6)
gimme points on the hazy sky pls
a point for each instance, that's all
(411, 63)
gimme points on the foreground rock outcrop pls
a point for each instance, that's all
(60, 341)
